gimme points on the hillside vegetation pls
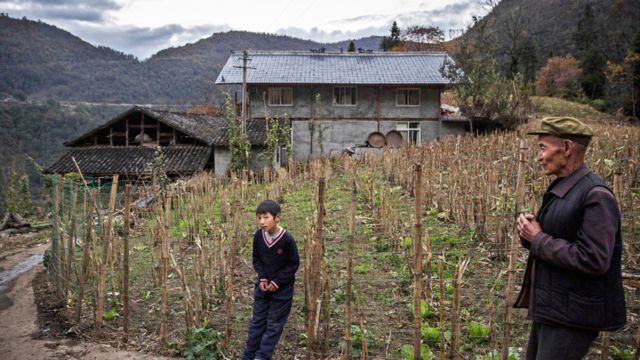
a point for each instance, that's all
(42, 61)
(38, 131)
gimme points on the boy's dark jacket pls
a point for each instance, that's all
(277, 263)
(567, 297)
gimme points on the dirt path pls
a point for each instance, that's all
(18, 328)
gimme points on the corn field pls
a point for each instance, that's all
(405, 255)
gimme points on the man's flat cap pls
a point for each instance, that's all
(566, 128)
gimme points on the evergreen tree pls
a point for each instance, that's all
(395, 32)
(352, 47)
(529, 59)
(389, 42)
(592, 62)
(11, 198)
(25, 196)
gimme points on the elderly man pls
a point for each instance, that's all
(572, 284)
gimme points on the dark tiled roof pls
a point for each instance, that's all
(131, 160)
(287, 67)
(255, 131)
(211, 130)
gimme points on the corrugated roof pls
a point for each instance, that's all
(287, 67)
(132, 160)
(211, 130)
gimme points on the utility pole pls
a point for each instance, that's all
(245, 58)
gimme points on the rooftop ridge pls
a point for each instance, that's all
(339, 53)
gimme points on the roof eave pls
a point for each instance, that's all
(147, 112)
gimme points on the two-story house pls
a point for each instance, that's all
(345, 97)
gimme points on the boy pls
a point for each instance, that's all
(275, 259)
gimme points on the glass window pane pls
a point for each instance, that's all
(401, 97)
(287, 96)
(274, 96)
(414, 97)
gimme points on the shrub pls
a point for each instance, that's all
(559, 77)
(406, 351)
(202, 343)
(430, 334)
(479, 333)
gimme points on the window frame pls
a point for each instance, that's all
(405, 132)
(280, 90)
(407, 90)
(354, 96)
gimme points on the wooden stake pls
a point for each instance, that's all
(348, 290)
(72, 234)
(606, 343)
(441, 309)
(55, 240)
(315, 268)
(86, 248)
(513, 259)
(417, 263)
(455, 313)
(164, 226)
(637, 354)
(106, 246)
(125, 265)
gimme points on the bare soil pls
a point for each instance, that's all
(21, 337)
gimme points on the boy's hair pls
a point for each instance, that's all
(268, 206)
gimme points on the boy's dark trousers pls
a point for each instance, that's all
(270, 313)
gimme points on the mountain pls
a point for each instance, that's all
(40, 61)
(547, 27)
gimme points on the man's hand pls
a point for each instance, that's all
(527, 227)
(264, 286)
(271, 288)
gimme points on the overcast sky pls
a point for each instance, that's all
(143, 27)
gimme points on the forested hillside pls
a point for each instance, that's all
(527, 32)
(42, 61)
(39, 131)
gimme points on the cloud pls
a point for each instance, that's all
(454, 16)
(93, 11)
(331, 36)
(143, 41)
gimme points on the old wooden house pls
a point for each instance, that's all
(339, 100)
(127, 144)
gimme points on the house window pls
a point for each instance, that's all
(407, 97)
(281, 96)
(345, 95)
(410, 131)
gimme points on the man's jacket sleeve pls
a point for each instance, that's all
(592, 252)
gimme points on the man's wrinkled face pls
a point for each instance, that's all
(552, 155)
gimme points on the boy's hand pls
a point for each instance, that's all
(271, 288)
(264, 286)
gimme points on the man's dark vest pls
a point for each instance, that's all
(567, 297)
